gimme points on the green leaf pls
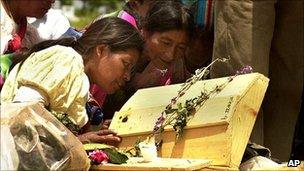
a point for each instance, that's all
(179, 106)
(94, 146)
(115, 156)
(169, 111)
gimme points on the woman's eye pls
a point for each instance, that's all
(182, 48)
(167, 43)
(127, 65)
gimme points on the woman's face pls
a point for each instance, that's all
(166, 46)
(35, 8)
(112, 69)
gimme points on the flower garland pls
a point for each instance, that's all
(178, 115)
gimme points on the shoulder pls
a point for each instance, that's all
(55, 57)
(60, 51)
(51, 68)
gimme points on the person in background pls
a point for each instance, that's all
(199, 54)
(16, 33)
(268, 35)
(53, 25)
(61, 72)
(14, 24)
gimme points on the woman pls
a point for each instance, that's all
(167, 29)
(57, 73)
(133, 12)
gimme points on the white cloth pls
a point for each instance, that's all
(28, 94)
(7, 28)
(258, 163)
(52, 26)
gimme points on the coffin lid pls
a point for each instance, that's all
(139, 114)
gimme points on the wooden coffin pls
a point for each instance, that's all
(219, 130)
(168, 164)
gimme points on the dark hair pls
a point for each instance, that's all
(168, 15)
(139, 19)
(114, 32)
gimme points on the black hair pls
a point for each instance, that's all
(168, 15)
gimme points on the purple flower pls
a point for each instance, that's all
(159, 123)
(98, 157)
(245, 70)
(173, 101)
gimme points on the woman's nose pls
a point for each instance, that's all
(170, 55)
(127, 76)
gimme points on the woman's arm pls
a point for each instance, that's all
(30, 94)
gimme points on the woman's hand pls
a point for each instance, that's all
(102, 136)
(106, 124)
(150, 77)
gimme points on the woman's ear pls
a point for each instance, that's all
(99, 50)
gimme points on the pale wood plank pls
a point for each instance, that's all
(160, 164)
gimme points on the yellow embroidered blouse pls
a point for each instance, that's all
(57, 73)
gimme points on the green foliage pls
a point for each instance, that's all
(89, 12)
(177, 115)
(115, 156)
(66, 2)
(66, 121)
(85, 18)
(94, 4)
(111, 3)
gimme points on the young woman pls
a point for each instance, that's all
(133, 12)
(58, 73)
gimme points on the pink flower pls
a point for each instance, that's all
(98, 157)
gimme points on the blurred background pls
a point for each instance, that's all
(82, 12)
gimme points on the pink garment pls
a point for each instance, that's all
(166, 79)
(98, 94)
(1, 82)
(129, 18)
